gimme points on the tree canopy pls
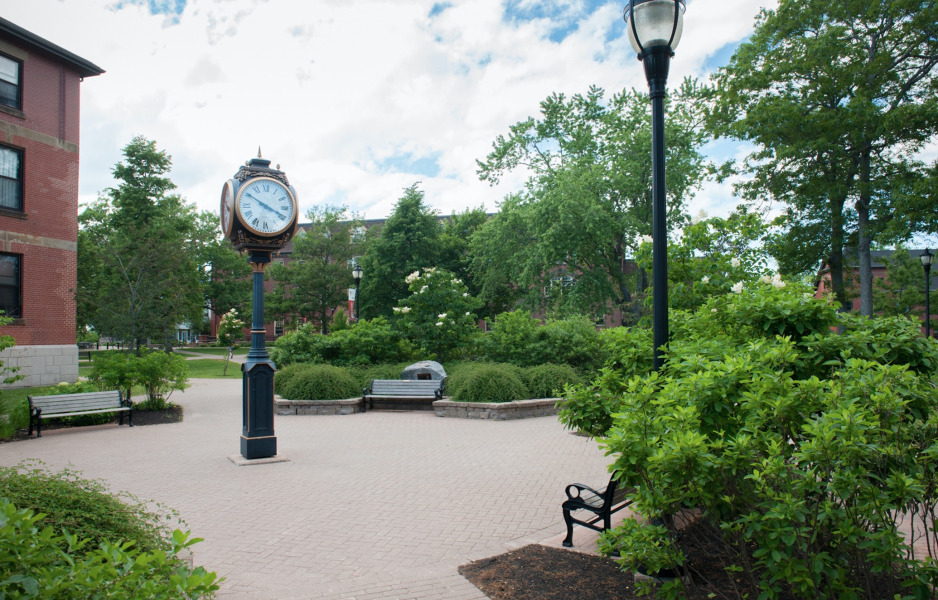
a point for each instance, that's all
(138, 275)
(318, 276)
(587, 201)
(839, 97)
(408, 242)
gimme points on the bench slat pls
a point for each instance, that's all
(45, 415)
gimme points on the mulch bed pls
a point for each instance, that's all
(538, 572)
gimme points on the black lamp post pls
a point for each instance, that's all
(926, 259)
(357, 276)
(654, 28)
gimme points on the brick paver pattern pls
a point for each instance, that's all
(382, 505)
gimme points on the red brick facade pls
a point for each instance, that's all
(44, 129)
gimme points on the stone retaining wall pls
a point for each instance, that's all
(497, 411)
(319, 407)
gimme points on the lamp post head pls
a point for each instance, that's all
(357, 274)
(654, 24)
(926, 258)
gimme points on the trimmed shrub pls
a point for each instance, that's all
(488, 382)
(573, 341)
(317, 382)
(45, 563)
(549, 380)
(85, 508)
(510, 338)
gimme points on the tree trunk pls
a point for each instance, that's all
(835, 260)
(863, 233)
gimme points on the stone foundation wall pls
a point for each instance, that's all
(319, 407)
(497, 411)
(42, 365)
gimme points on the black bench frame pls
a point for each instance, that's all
(601, 503)
(423, 390)
(69, 405)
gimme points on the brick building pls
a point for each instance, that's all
(39, 135)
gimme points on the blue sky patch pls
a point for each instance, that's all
(721, 57)
(170, 8)
(564, 15)
(425, 165)
(438, 8)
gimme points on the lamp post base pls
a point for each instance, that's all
(258, 447)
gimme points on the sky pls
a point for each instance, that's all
(354, 99)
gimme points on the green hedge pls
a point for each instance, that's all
(550, 380)
(316, 382)
(487, 382)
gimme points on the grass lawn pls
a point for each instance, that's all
(210, 368)
(213, 350)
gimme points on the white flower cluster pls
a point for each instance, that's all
(402, 309)
(735, 262)
(705, 279)
(738, 288)
(775, 281)
(412, 277)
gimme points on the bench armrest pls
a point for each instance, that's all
(578, 488)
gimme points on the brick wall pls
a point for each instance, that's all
(45, 233)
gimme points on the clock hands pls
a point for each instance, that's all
(267, 207)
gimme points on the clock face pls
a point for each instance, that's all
(266, 206)
(226, 209)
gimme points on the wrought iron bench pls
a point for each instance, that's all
(601, 503)
(69, 405)
(404, 394)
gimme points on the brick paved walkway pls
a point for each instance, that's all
(379, 505)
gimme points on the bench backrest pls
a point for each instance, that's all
(406, 387)
(64, 403)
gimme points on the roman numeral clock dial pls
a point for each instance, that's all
(266, 206)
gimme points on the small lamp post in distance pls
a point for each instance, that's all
(654, 30)
(926, 258)
(357, 276)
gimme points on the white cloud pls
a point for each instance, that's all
(331, 90)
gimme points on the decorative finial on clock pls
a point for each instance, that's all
(278, 166)
(259, 152)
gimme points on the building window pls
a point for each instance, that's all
(11, 178)
(11, 285)
(278, 328)
(10, 82)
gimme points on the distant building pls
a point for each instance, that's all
(39, 142)
(878, 265)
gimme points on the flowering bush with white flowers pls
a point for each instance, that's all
(230, 328)
(439, 316)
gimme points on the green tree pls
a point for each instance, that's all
(318, 275)
(138, 274)
(225, 275)
(588, 198)
(838, 97)
(455, 241)
(408, 242)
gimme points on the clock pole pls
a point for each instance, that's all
(257, 433)
(259, 215)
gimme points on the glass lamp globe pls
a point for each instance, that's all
(654, 23)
